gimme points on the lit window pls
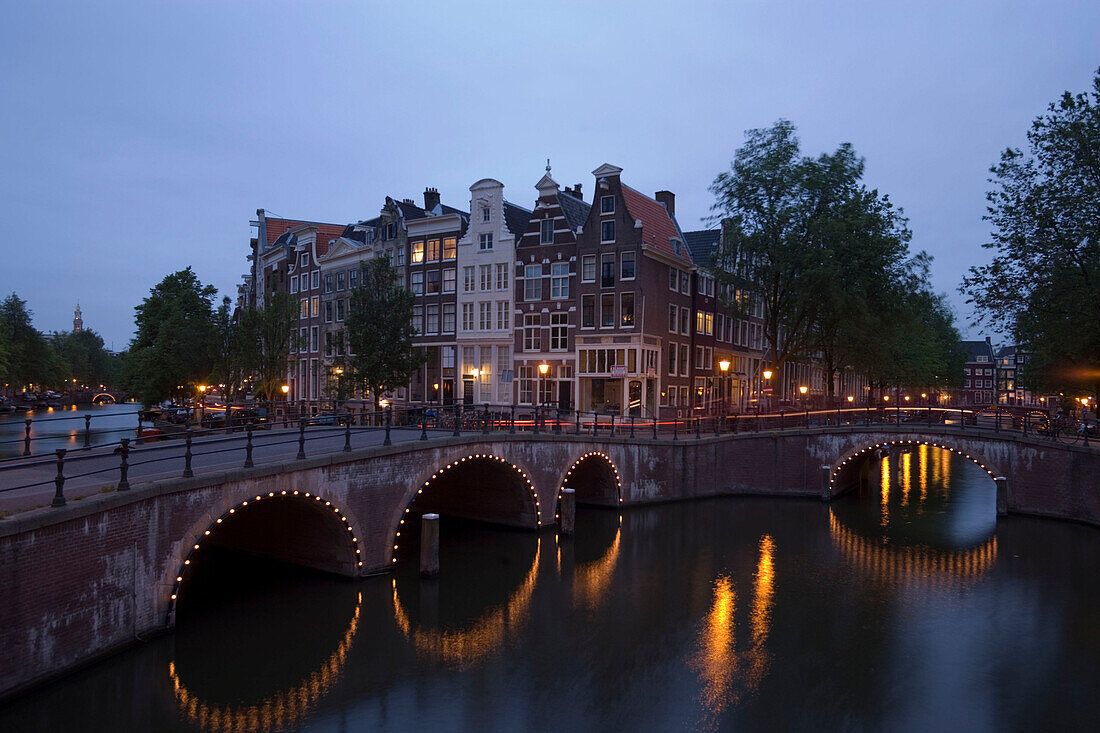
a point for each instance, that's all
(418, 252)
(450, 251)
(626, 310)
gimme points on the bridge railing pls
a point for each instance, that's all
(272, 440)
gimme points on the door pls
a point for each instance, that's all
(468, 391)
(634, 398)
(563, 394)
(448, 392)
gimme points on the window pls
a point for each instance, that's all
(672, 352)
(449, 280)
(607, 270)
(485, 241)
(502, 315)
(450, 248)
(485, 213)
(699, 322)
(316, 279)
(418, 252)
(328, 344)
(468, 279)
(626, 310)
(685, 283)
(709, 324)
(588, 311)
(328, 311)
(313, 338)
(588, 268)
(607, 231)
(401, 257)
(700, 357)
(559, 331)
(502, 276)
(673, 278)
(626, 269)
(433, 281)
(339, 310)
(485, 316)
(433, 319)
(607, 310)
(467, 316)
(304, 260)
(685, 321)
(559, 280)
(532, 332)
(532, 282)
(486, 273)
(607, 204)
(546, 231)
(418, 319)
(391, 230)
(673, 318)
(294, 284)
(339, 280)
(417, 282)
(328, 283)
(685, 351)
(526, 392)
(304, 339)
(433, 250)
(315, 306)
(448, 351)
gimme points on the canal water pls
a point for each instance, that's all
(903, 607)
(64, 427)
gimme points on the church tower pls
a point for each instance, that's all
(78, 322)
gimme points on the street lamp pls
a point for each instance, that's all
(543, 369)
(767, 376)
(803, 389)
(724, 365)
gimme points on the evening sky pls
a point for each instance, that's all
(139, 138)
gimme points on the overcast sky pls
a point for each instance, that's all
(137, 140)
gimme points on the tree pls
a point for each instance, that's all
(84, 357)
(266, 336)
(171, 354)
(1043, 284)
(29, 358)
(379, 331)
(230, 352)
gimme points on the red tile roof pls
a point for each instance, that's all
(657, 226)
(277, 227)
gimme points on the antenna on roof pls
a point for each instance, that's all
(547, 165)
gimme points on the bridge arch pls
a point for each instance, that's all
(839, 477)
(109, 397)
(339, 550)
(468, 487)
(594, 478)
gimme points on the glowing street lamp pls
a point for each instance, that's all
(724, 365)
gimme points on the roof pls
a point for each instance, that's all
(659, 227)
(974, 349)
(516, 218)
(276, 228)
(703, 243)
(574, 209)
(409, 210)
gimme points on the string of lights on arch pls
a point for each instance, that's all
(453, 465)
(887, 444)
(589, 454)
(260, 497)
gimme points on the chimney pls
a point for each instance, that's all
(668, 198)
(431, 198)
(577, 191)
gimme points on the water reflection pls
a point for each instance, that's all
(592, 580)
(725, 674)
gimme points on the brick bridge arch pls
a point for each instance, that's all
(845, 471)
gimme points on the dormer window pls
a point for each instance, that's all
(370, 237)
(485, 215)
(607, 204)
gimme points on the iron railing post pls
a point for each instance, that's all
(557, 422)
(301, 439)
(512, 420)
(655, 426)
(248, 446)
(485, 426)
(187, 473)
(675, 428)
(698, 428)
(87, 432)
(347, 434)
(578, 415)
(27, 437)
(536, 429)
(424, 425)
(389, 424)
(612, 433)
(458, 421)
(631, 427)
(124, 467)
(595, 424)
(59, 480)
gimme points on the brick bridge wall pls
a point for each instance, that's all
(86, 579)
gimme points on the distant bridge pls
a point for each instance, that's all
(82, 578)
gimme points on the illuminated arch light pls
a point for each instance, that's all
(454, 464)
(233, 510)
(836, 469)
(589, 454)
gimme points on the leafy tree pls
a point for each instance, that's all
(171, 354)
(379, 331)
(266, 336)
(29, 358)
(230, 352)
(1043, 284)
(84, 357)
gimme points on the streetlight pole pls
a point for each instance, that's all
(767, 387)
(543, 369)
(724, 365)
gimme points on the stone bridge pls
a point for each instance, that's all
(88, 578)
